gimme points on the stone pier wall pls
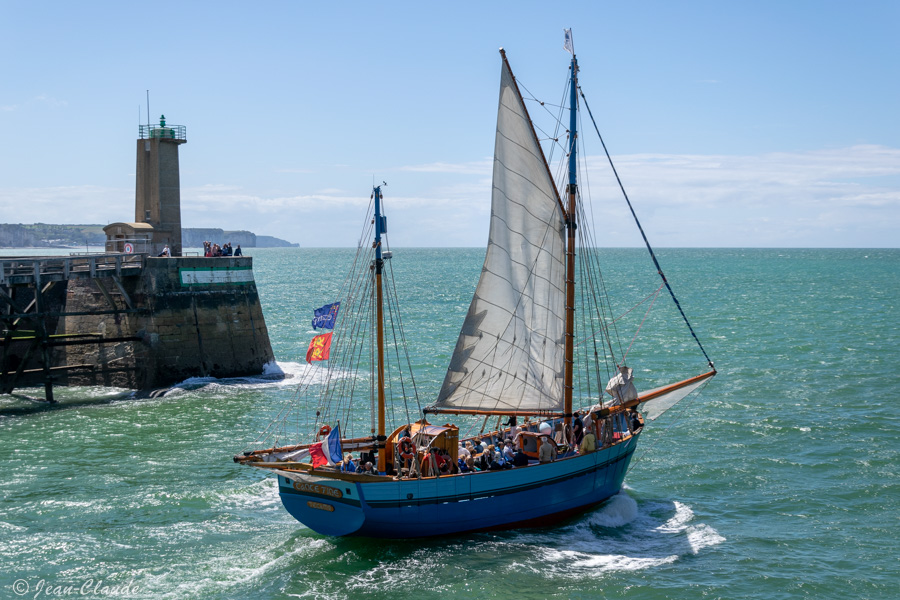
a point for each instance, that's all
(196, 317)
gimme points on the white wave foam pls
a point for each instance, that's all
(612, 562)
(216, 572)
(259, 495)
(678, 522)
(703, 536)
(623, 535)
(275, 374)
(273, 368)
(195, 382)
(620, 510)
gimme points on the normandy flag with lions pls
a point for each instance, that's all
(319, 348)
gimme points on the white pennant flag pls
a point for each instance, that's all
(568, 45)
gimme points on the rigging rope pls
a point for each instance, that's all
(587, 235)
(646, 314)
(643, 235)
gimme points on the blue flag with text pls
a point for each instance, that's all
(326, 316)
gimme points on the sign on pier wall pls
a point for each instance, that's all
(216, 276)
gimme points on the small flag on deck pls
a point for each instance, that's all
(319, 348)
(326, 316)
(328, 452)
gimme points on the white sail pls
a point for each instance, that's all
(661, 402)
(510, 351)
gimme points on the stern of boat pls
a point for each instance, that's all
(327, 506)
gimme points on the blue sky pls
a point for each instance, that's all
(771, 124)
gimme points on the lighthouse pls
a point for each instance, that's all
(157, 194)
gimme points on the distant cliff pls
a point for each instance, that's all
(16, 236)
(267, 241)
(194, 238)
(43, 235)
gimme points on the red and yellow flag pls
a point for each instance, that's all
(319, 348)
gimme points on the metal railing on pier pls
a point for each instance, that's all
(34, 270)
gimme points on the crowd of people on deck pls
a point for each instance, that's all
(351, 465)
(507, 451)
(211, 250)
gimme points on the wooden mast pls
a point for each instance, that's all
(571, 225)
(379, 318)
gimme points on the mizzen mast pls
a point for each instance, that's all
(380, 228)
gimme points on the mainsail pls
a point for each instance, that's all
(510, 352)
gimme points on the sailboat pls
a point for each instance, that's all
(514, 359)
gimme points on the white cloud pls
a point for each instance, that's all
(471, 168)
(836, 197)
(51, 101)
(84, 204)
(294, 170)
(820, 198)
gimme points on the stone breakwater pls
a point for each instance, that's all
(192, 317)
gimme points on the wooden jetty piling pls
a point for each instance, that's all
(26, 298)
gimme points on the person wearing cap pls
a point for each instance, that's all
(588, 442)
(546, 452)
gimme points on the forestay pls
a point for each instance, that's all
(510, 352)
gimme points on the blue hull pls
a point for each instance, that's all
(525, 496)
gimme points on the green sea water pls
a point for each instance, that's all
(780, 480)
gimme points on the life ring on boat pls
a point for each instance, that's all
(325, 430)
(406, 448)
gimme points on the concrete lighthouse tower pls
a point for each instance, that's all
(157, 194)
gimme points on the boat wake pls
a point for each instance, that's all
(624, 535)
